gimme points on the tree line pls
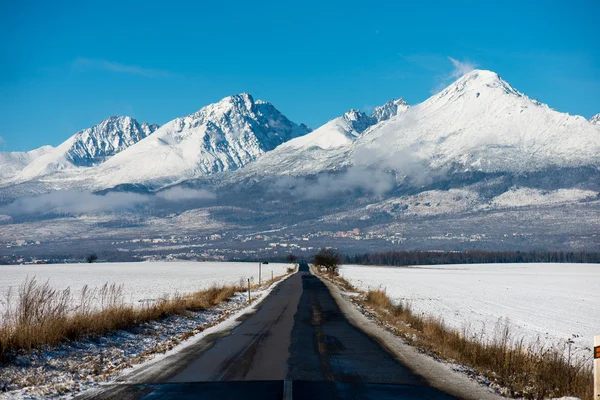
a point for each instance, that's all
(407, 257)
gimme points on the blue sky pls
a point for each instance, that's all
(65, 66)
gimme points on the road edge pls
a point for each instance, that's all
(435, 373)
(145, 372)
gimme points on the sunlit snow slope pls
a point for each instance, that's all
(220, 137)
(89, 147)
(481, 123)
(320, 148)
(13, 163)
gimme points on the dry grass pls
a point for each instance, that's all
(528, 371)
(334, 277)
(36, 315)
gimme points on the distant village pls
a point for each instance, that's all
(228, 246)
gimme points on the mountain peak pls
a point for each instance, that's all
(389, 109)
(485, 78)
(243, 97)
(595, 119)
(100, 142)
(354, 114)
(357, 120)
(222, 136)
(90, 146)
(477, 82)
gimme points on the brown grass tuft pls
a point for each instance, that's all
(37, 315)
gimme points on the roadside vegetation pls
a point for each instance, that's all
(329, 259)
(36, 315)
(525, 371)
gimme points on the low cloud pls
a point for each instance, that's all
(112, 66)
(76, 202)
(372, 181)
(461, 67)
(407, 165)
(185, 194)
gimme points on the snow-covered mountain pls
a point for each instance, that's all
(223, 136)
(595, 119)
(88, 147)
(390, 109)
(11, 163)
(338, 132)
(312, 152)
(480, 123)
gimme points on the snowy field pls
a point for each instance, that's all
(555, 302)
(141, 281)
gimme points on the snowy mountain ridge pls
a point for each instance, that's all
(88, 147)
(11, 163)
(595, 119)
(316, 151)
(223, 136)
(113, 135)
(480, 123)
(389, 109)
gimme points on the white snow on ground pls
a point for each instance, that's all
(520, 197)
(73, 367)
(555, 302)
(141, 281)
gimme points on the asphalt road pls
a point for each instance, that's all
(297, 345)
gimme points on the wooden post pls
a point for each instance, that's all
(249, 298)
(271, 275)
(259, 272)
(597, 367)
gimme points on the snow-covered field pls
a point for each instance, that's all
(60, 372)
(555, 302)
(141, 281)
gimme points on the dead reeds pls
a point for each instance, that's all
(37, 315)
(531, 371)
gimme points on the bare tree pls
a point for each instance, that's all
(91, 258)
(291, 258)
(329, 259)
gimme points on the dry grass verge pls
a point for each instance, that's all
(36, 315)
(526, 371)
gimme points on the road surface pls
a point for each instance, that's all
(297, 345)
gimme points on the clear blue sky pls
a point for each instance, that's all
(65, 66)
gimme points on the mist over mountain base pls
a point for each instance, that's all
(554, 211)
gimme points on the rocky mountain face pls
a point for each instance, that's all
(88, 147)
(95, 145)
(318, 151)
(595, 119)
(223, 136)
(389, 109)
